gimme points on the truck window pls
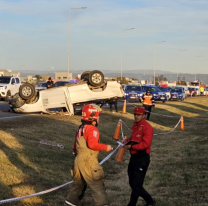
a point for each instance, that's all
(17, 80)
(13, 81)
(4, 80)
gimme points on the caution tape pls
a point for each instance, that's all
(158, 133)
(54, 188)
(36, 194)
(171, 129)
(153, 112)
(53, 145)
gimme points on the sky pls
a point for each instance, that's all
(35, 32)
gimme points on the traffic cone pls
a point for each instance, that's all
(119, 156)
(182, 123)
(191, 94)
(117, 132)
(124, 107)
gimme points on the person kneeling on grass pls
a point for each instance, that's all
(87, 170)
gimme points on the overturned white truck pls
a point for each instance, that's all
(91, 89)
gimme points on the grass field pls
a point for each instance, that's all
(177, 176)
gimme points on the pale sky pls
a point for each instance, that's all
(36, 32)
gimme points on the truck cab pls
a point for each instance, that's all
(9, 86)
(133, 92)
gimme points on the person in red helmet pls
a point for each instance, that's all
(142, 132)
(87, 170)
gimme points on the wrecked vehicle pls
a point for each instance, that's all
(91, 89)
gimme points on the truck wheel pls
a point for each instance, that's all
(163, 101)
(7, 96)
(96, 78)
(27, 91)
(85, 76)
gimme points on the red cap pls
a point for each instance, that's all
(139, 110)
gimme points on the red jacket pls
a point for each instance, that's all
(92, 137)
(142, 132)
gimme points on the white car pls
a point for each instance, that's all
(9, 86)
(68, 96)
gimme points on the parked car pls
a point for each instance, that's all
(61, 83)
(177, 93)
(206, 91)
(185, 89)
(133, 92)
(166, 91)
(41, 86)
(9, 86)
(192, 91)
(68, 96)
(157, 94)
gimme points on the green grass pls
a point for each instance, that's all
(177, 174)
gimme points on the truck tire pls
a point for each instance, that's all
(27, 91)
(96, 78)
(163, 101)
(85, 76)
(7, 96)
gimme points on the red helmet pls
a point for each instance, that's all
(90, 112)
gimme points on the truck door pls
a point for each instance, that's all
(17, 85)
(12, 86)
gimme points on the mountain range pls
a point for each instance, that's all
(137, 74)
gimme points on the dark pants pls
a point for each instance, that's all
(111, 106)
(148, 109)
(137, 170)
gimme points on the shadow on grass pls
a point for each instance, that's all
(53, 164)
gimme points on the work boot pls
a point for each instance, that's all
(67, 203)
(152, 204)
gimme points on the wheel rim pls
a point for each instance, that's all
(96, 78)
(26, 91)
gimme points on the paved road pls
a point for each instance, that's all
(7, 115)
(4, 105)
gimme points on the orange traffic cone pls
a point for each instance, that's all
(119, 156)
(117, 132)
(182, 123)
(124, 107)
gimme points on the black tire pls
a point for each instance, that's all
(85, 76)
(7, 96)
(96, 78)
(163, 101)
(27, 91)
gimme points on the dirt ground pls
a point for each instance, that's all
(178, 172)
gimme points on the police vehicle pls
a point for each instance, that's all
(177, 93)
(158, 95)
(166, 91)
(133, 92)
